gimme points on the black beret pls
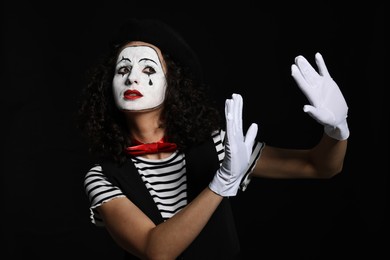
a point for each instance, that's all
(168, 40)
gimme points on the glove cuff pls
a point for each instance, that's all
(223, 187)
(339, 132)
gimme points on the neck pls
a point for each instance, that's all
(145, 126)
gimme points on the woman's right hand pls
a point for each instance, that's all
(238, 149)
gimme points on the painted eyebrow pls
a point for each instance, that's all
(127, 59)
(148, 60)
(123, 58)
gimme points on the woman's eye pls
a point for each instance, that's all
(149, 70)
(123, 70)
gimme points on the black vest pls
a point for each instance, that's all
(218, 239)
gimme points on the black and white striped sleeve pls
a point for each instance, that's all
(256, 152)
(99, 190)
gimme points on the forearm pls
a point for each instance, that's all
(322, 161)
(328, 156)
(171, 238)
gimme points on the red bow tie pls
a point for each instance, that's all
(149, 148)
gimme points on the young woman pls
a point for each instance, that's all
(167, 162)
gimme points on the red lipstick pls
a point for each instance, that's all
(132, 94)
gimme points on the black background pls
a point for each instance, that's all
(246, 48)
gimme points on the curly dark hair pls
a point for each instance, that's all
(189, 115)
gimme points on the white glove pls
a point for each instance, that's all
(238, 149)
(328, 106)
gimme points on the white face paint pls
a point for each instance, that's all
(139, 82)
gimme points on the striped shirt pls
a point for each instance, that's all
(165, 180)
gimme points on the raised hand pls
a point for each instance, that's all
(327, 103)
(238, 149)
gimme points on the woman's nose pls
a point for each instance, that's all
(132, 78)
(130, 81)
